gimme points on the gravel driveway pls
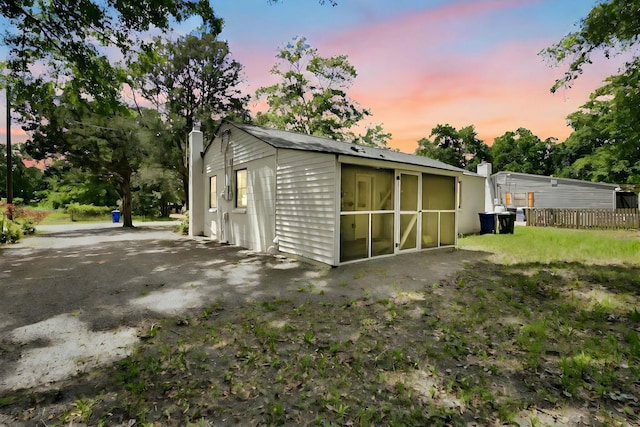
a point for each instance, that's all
(75, 297)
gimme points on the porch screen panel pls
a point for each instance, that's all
(366, 189)
(438, 206)
(438, 192)
(447, 228)
(381, 234)
(366, 212)
(408, 231)
(352, 245)
(430, 229)
(409, 193)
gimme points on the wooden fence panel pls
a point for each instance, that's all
(584, 218)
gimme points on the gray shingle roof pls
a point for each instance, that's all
(297, 141)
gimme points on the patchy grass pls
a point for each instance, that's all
(543, 245)
(536, 340)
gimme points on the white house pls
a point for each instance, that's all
(334, 202)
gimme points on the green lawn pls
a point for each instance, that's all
(542, 332)
(57, 217)
(544, 245)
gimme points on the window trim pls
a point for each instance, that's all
(237, 206)
(213, 193)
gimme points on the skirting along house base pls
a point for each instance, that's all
(334, 202)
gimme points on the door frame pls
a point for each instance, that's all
(399, 212)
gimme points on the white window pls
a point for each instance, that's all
(241, 188)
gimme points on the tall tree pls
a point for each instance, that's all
(27, 181)
(460, 148)
(112, 146)
(311, 96)
(193, 79)
(522, 151)
(67, 39)
(611, 26)
(604, 144)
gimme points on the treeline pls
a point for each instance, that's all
(116, 131)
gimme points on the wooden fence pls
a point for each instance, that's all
(584, 218)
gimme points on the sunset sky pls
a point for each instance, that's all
(424, 62)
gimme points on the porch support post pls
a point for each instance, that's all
(196, 183)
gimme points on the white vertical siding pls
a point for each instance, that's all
(213, 165)
(247, 148)
(550, 192)
(306, 204)
(253, 227)
(472, 203)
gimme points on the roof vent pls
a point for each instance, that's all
(357, 149)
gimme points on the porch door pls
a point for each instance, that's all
(409, 219)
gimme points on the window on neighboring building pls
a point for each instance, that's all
(241, 188)
(213, 192)
(507, 199)
(530, 199)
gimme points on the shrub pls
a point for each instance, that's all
(10, 232)
(34, 216)
(78, 211)
(183, 228)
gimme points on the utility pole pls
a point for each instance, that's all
(9, 164)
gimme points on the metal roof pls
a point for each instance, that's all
(567, 181)
(296, 141)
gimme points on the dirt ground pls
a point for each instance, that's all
(75, 299)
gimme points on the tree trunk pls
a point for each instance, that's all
(127, 220)
(185, 187)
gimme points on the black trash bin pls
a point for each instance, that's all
(487, 223)
(506, 220)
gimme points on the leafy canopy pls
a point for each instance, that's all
(611, 26)
(192, 79)
(67, 39)
(460, 148)
(604, 145)
(522, 151)
(311, 96)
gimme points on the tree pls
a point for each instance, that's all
(193, 79)
(611, 27)
(311, 96)
(111, 146)
(604, 144)
(460, 148)
(27, 181)
(67, 38)
(374, 136)
(522, 151)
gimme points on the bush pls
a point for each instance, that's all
(78, 211)
(183, 228)
(33, 216)
(10, 232)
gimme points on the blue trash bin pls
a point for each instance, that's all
(487, 223)
(115, 216)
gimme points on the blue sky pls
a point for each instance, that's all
(429, 62)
